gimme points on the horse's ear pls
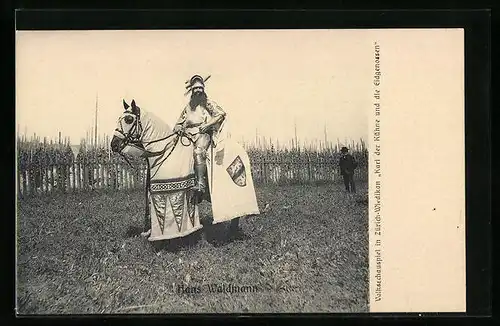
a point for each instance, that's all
(125, 105)
(135, 108)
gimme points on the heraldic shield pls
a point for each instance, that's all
(237, 172)
(231, 183)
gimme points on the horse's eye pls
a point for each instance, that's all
(129, 119)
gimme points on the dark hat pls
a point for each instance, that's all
(344, 149)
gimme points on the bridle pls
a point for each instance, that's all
(134, 138)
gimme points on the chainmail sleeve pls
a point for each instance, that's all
(215, 110)
(217, 120)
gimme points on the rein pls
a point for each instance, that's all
(180, 136)
(133, 137)
(126, 160)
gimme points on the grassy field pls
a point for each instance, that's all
(82, 254)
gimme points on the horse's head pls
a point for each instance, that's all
(129, 128)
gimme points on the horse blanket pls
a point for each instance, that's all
(171, 206)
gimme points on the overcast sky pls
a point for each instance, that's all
(264, 80)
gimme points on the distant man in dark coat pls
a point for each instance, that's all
(347, 165)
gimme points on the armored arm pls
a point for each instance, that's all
(217, 115)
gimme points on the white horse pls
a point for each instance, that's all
(171, 204)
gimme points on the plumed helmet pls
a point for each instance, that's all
(195, 82)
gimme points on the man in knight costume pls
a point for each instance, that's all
(201, 121)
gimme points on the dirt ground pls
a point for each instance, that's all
(82, 254)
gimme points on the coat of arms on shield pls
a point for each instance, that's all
(237, 172)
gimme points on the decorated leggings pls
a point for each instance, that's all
(200, 148)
